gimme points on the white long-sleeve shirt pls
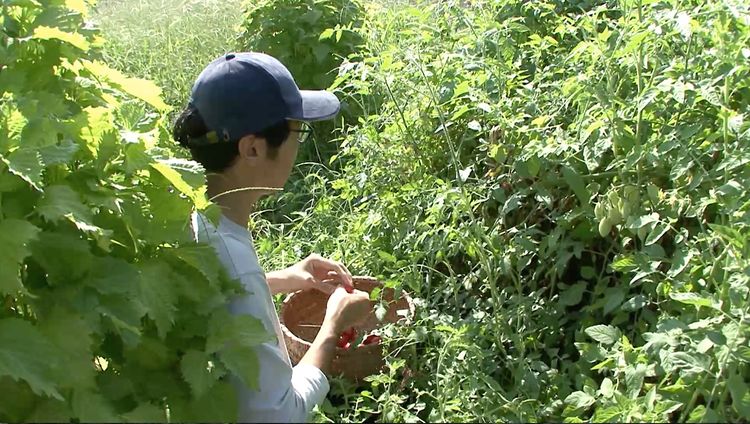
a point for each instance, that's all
(286, 393)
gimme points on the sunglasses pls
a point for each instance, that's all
(305, 132)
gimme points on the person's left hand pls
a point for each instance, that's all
(315, 272)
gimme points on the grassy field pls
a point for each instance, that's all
(167, 41)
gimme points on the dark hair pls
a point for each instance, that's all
(219, 156)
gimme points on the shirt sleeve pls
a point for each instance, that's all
(285, 394)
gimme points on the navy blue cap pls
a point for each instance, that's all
(243, 93)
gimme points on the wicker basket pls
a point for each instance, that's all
(303, 312)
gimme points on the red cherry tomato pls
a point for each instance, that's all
(346, 338)
(371, 339)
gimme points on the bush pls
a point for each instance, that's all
(108, 309)
(310, 37)
(561, 183)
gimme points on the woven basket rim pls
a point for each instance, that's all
(364, 348)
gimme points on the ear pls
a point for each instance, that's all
(250, 148)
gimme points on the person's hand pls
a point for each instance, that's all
(313, 272)
(345, 310)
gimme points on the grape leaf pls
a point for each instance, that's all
(50, 411)
(195, 369)
(158, 293)
(18, 400)
(146, 413)
(241, 330)
(143, 89)
(110, 275)
(60, 201)
(27, 355)
(15, 235)
(91, 407)
(218, 405)
(72, 336)
(58, 153)
(243, 362)
(65, 257)
(27, 164)
(200, 257)
(50, 33)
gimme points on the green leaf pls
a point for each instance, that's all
(50, 411)
(49, 33)
(136, 158)
(125, 313)
(642, 221)
(15, 235)
(605, 334)
(143, 89)
(72, 337)
(657, 233)
(197, 372)
(680, 261)
(614, 297)
(327, 33)
(218, 405)
(740, 395)
(58, 153)
(573, 294)
(576, 183)
(65, 257)
(634, 376)
(729, 235)
(158, 292)
(242, 361)
(387, 256)
(201, 258)
(92, 407)
(18, 400)
(579, 400)
(743, 353)
(241, 330)
(146, 413)
(26, 354)
(692, 299)
(634, 303)
(606, 415)
(607, 389)
(27, 164)
(115, 276)
(60, 201)
(624, 264)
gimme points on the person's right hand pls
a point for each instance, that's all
(345, 310)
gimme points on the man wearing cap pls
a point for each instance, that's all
(243, 123)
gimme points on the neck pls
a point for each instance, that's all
(235, 205)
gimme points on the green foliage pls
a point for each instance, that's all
(104, 295)
(562, 185)
(310, 37)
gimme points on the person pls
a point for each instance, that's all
(243, 123)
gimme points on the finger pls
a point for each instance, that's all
(349, 273)
(327, 286)
(344, 273)
(340, 269)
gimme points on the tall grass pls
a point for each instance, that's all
(167, 41)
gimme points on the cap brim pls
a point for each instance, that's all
(318, 106)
